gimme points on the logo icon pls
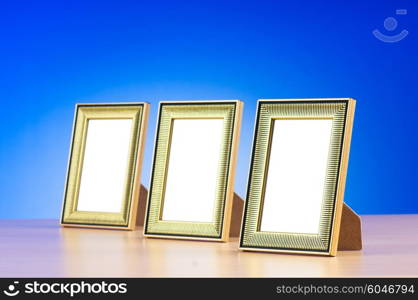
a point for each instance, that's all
(11, 289)
(391, 24)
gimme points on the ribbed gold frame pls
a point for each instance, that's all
(341, 111)
(218, 230)
(125, 219)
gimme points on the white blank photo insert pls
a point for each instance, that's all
(105, 165)
(296, 175)
(192, 170)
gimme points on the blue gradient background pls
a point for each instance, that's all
(54, 54)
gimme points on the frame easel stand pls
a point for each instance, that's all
(350, 229)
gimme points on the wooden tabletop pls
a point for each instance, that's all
(41, 248)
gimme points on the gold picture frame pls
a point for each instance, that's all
(338, 113)
(91, 158)
(217, 228)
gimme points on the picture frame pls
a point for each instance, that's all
(295, 192)
(191, 189)
(104, 166)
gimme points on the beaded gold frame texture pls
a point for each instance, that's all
(218, 230)
(341, 111)
(126, 218)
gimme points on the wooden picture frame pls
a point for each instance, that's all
(191, 189)
(297, 176)
(104, 167)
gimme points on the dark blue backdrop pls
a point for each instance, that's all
(56, 53)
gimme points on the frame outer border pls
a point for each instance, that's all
(138, 168)
(232, 168)
(339, 200)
